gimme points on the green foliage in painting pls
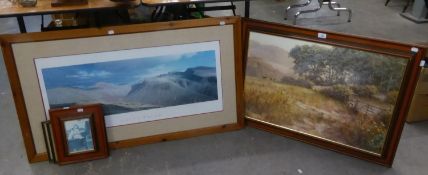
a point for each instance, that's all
(339, 92)
(365, 90)
(326, 66)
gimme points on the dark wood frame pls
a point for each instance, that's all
(355, 42)
(8, 40)
(96, 117)
(59, 3)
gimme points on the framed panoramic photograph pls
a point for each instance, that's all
(162, 81)
(79, 133)
(345, 93)
(136, 85)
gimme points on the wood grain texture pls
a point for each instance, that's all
(19, 102)
(333, 38)
(8, 40)
(397, 124)
(174, 136)
(61, 3)
(171, 2)
(239, 72)
(39, 158)
(418, 109)
(355, 42)
(118, 30)
(92, 112)
(44, 7)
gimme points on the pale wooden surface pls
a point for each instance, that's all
(170, 2)
(419, 109)
(8, 9)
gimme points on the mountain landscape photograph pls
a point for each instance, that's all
(339, 94)
(138, 84)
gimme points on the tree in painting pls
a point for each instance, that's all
(340, 94)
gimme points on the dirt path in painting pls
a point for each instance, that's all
(326, 125)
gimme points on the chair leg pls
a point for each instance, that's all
(42, 25)
(233, 8)
(307, 11)
(154, 13)
(158, 13)
(21, 24)
(406, 6)
(295, 6)
(386, 3)
(333, 3)
(330, 5)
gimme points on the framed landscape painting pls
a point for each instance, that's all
(136, 85)
(334, 94)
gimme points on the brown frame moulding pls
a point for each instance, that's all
(98, 131)
(8, 40)
(355, 42)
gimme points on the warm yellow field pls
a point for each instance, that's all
(311, 112)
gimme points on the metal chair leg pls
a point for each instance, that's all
(386, 3)
(157, 13)
(21, 24)
(330, 5)
(305, 11)
(334, 3)
(295, 6)
(154, 13)
(406, 6)
(233, 9)
(42, 25)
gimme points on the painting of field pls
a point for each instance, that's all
(343, 95)
(160, 83)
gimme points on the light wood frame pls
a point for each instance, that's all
(8, 41)
(354, 42)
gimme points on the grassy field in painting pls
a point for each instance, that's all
(309, 111)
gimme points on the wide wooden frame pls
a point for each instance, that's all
(413, 52)
(8, 42)
(95, 115)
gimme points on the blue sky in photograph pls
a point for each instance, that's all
(124, 71)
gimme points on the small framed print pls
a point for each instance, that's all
(79, 133)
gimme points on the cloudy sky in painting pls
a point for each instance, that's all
(124, 71)
(282, 42)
